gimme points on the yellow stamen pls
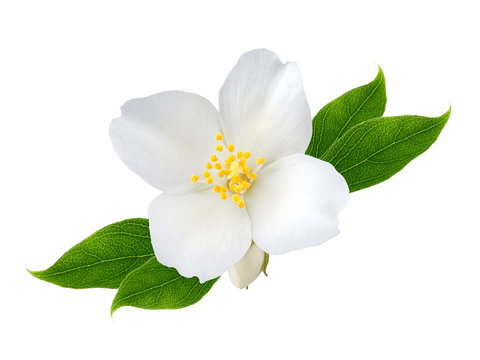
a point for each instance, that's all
(234, 174)
(235, 168)
(245, 184)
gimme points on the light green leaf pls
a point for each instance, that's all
(375, 150)
(355, 106)
(155, 286)
(104, 258)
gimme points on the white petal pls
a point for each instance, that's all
(198, 233)
(294, 204)
(244, 272)
(166, 137)
(263, 107)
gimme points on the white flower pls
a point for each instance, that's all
(234, 175)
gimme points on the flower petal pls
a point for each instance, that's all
(263, 107)
(294, 204)
(198, 233)
(166, 137)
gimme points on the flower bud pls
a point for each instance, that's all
(245, 271)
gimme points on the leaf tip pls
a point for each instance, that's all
(380, 81)
(36, 274)
(449, 111)
(444, 117)
(380, 73)
(115, 306)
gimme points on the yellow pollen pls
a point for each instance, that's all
(235, 168)
(235, 176)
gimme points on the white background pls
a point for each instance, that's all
(402, 279)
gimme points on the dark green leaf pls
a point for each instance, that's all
(104, 258)
(375, 150)
(155, 286)
(355, 106)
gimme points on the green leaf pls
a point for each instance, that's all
(155, 286)
(355, 106)
(103, 259)
(375, 150)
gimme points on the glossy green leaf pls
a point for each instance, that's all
(155, 286)
(103, 259)
(375, 150)
(355, 106)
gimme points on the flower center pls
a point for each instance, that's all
(229, 174)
